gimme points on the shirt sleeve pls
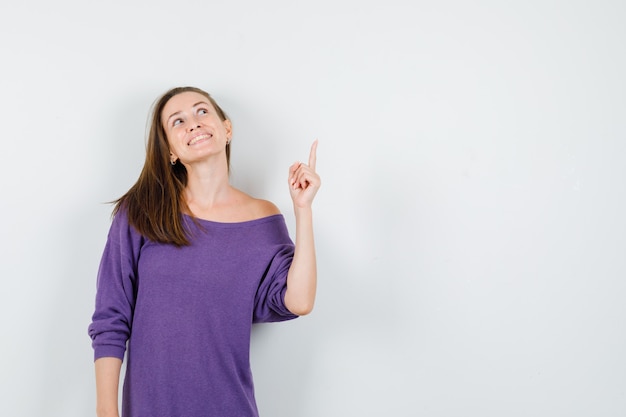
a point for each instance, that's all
(116, 290)
(269, 303)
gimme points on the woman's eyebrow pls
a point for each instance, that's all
(178, 112)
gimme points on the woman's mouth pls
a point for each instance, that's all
(199, 138)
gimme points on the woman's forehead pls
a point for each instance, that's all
(184, 100)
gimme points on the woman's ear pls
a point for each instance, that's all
(229, 129)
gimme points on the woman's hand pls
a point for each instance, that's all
(304, 181)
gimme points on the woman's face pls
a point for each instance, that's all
(194, 129)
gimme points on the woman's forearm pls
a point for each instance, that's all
(302, 277)
(107, 386)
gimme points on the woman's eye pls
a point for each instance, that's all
(177, 122)
(203, 111)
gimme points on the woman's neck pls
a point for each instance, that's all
(207, 185)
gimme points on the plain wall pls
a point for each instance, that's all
(470, 227)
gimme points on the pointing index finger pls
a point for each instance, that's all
(313, 155)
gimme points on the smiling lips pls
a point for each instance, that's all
(199, 138)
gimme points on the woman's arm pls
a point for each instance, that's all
(107, 386)
(302, 277)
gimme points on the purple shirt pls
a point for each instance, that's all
(187, 313)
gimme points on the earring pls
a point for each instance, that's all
(228, 142)
(173, 162)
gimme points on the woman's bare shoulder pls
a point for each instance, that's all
(264, 208)
(256, 207)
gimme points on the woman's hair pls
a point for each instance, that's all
(154, 205)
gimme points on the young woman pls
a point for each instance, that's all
(189, 264)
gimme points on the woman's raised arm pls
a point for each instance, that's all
(302, 278)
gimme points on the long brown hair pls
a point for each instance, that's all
(154, 205)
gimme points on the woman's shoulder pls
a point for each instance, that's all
(259, 207)
(265, 208)
(122, 231)
(256, 208)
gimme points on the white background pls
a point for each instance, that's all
(471, 223)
